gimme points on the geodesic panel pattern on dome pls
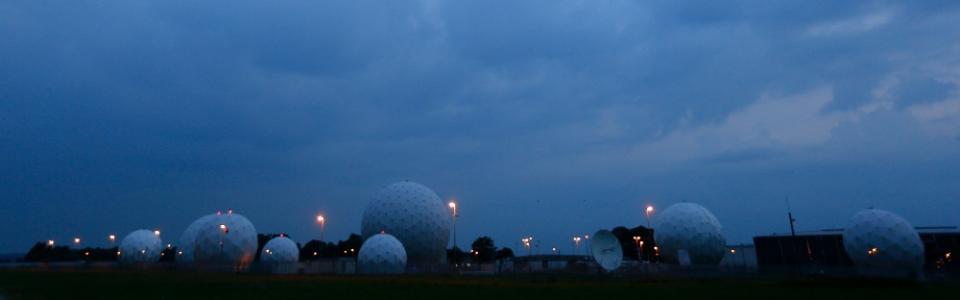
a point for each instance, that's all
(185, 247)
(140, 246)
(382, 254)
(280, 250)
(226, 239)
(880, 240)
(413, 214)
(689, 228)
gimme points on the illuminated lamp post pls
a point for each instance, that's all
(646, 213)
(323, 225)
(636, 241)
(576, 244)
(527, 242)
(453, 213)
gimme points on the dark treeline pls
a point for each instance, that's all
(316, 249)
(41, 252)
(482, 250)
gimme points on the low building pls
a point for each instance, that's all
(822, 251)
(742, 256)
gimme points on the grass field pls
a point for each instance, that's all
(170, 285)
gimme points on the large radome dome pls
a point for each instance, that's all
(882, 243)
(225, 240)
(689, 233)
(413, 214)
(140, 246)
(382, 254)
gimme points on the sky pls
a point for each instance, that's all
(545, 118)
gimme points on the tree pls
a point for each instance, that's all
(167, 254)
(629, 245)
(38, 252)
(41, 252)
(455, 256)
(484, 249)
(350, 246)
(504, 252)
(626, 242)
(315, 249)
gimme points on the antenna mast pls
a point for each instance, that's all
(793, 232)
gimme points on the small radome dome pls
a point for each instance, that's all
(881, 243)
(140, 246)
(280, 250)
(688, 233)
(382, 254)
(226, 240)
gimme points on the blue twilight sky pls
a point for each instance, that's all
(548, 118)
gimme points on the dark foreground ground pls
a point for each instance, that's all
(170, 285)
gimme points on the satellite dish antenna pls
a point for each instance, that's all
(606, 250)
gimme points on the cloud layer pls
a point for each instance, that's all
(549, 118)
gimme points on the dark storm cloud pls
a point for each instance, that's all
(117, 115)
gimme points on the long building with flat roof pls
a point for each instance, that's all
(822, 251)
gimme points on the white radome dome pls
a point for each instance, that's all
(141, 246)
(883, 243)
(185, 249)
(413, 214)
(280, 250)
(382, 254)
(688, 229)
(225, 239)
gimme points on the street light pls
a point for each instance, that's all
(647, 212)
(576, 244)
(50, 243)
(112, 238)
(637, 240)
(323, 225)
(453, 212)
(586, 237)
(76, 241)
(641, 248)
(527, 243)
(156, 232)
